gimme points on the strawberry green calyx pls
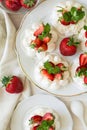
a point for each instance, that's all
(85, 27)
(5, 80)
(29, 2)
(73, 42)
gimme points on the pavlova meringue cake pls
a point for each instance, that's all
(69, 17)
(41, 118)
(82, 36)
(79, 71)
(52, 72)
(39, 39)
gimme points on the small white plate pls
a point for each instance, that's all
(25, 106)
(43, 13)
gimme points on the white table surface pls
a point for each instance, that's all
(77, 124)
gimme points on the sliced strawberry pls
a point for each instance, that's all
(35, 119)
(35, 127)
(43, 47)
(51, 128)
(64, 22)
(39, 30)
(86, 43)
(83, 59)
(38, 42)
(48, 116)
(86, 34)
(59, 76)
(85, 80)
(49, 76)
(46, 39)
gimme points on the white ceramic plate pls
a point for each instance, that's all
(25, 106)
(27, 64)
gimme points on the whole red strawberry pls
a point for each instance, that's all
(28, 3)
(13, 5)
(36, 119)
(68, 47)
(13, 84)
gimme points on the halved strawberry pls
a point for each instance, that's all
(59, 76)
(85, 80)
(86, 34)
(64, 22)
(83, 59)
(48, 116)
(49, 76)
(38, 42)
(86, 43)
(35, 119)
(39, 30)
(35, 127)
(43, 47)
(46, 39)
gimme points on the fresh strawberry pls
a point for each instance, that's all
(13, 5)
(62, 21)
(59, 76)
(13, 84)
(43, 47)
(35, 127)
(86, 34)
(35, 119)
(48, 116)
(49, 76)
(39, 30)
(68, 47)
(86, 43)
(83, 59)
(28, 3)
(46, 39)
(85, 80)
(51, 128)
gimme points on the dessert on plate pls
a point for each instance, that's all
(83, 38)
(69, 17)
(39, 39)
(52, 72)
(41, 118)
(79, 71)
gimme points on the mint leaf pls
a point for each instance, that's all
(46, 32)
(67, 16)
(85, 27)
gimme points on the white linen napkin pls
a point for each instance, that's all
(9, 66)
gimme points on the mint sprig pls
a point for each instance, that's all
(45, 125)
(51, 69)
(82, 72)
(74, 14)
(46, 32)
